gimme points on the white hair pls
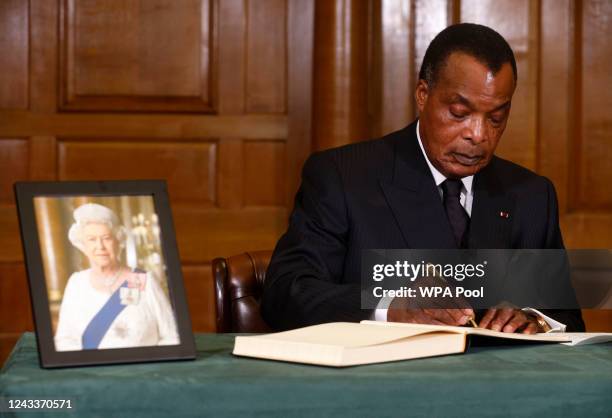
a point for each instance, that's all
(94, 213)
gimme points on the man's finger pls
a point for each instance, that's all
(518, 321)
(502, 316)
(421, 317)
(469, 312)
(441, 315)
(487, 318)
(532, 328)
(459, 317)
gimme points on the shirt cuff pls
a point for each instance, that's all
(380, 313)
(555, 326)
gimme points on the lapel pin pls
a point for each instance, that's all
(504, 215)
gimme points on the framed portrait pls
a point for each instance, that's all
(104, 272)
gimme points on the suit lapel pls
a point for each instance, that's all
(414, 199)
(492, 212)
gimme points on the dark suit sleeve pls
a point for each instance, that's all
(572, 318)
(304, 279)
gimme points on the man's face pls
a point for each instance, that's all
(463, 116)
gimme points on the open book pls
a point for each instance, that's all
(342, 344)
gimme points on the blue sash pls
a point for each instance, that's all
(101, 322)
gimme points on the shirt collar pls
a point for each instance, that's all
(439, 177)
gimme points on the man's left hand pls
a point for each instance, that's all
(509, 320)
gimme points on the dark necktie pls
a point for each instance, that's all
(457, 216)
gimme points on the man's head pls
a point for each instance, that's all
(463, 95)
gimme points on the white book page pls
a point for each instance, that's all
(344, 334)
(566, 338)
(584, 338)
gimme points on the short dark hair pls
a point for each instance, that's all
(478, 41)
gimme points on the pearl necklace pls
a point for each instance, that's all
(109, 281)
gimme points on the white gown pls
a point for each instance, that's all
(150, 322)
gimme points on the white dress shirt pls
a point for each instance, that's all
(466, 199)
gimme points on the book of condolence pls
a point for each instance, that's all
(340, 344)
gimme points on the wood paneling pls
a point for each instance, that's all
(43, 158)
(13, 166)
(18, 124)
(15, 305)
(519, 141)
(10, 241)
(340, 79)
(391, 66)
(598, 320)
(142, 55)
(7, 342)
(231, 181)
(430, 17)
(230, 48)
(594, 141)
(556, 96)
(206, 234)
(300, 16)
(212, 96)
(264, 173)
(200, 297)
(14, 44)
(188, 167)
(17, 315)
(266, 57)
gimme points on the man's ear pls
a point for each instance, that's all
(421, 93)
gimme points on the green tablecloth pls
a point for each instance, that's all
(548, 380)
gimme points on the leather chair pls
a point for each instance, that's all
(239, 283)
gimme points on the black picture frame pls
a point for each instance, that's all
(25, 193)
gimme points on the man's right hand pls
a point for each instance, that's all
(400, 311)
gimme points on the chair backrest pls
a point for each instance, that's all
(239, 283)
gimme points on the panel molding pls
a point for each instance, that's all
(70, 100)
(24, 124)
(189, 167)
(15, 47)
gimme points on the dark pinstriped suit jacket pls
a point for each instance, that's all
(381, 194)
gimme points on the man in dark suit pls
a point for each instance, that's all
(434, 184)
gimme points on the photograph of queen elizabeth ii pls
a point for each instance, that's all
(105, 272)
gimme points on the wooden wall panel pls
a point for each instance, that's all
(135, 55)
(519, 141)
(556, 96)
(14, 44)
(593, 147)
(188, 167)
(200, 297)
(104, 76)
(430, 17)
(266, 67)
(43, 158)
(7, 342)
(230, 49)
(391, 63)
(341, 73)
(300, 21)
(264, 173)
(598, 320)
(206, 234)
(162, 126)
(10, 241)
(13, 166)
(16, 316)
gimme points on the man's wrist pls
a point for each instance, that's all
(551, 324)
